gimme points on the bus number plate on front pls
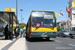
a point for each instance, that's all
(43, 35)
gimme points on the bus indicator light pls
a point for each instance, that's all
(31, 33)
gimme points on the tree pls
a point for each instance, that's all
(58, 27)
(22, 24)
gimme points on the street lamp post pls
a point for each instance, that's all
(23, 19)
(16, 8)
(21, 14)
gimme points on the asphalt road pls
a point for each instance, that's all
(53, 44)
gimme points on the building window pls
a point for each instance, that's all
(74, 15)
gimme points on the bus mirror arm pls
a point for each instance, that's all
(37, 28)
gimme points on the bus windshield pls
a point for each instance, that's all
(45, 19)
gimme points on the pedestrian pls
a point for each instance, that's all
(21, 32)
(6, 32)
(17, 32)
(24, 31)
(10, 35)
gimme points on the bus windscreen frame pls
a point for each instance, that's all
(39, 18)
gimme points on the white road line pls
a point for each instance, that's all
(72, 45)
(58, 41)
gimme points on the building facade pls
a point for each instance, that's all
(63, 25)
(71, 16)
(7, 18)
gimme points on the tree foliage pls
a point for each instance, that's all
(58, 27)
(22, 24)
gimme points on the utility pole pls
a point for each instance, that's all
(16, 9)
(21, 14)
(23, 19)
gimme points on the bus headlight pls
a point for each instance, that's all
(34, 29)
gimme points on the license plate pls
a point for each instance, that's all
(43, 35)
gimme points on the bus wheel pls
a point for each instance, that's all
(26, 36)
(47, 38)
(71, 36)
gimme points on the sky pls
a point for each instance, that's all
(28, 5)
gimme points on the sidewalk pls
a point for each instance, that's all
(16, 44)
(4, 43)
(20, 44)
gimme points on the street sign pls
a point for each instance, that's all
(13, 10)
(10, 10)
(14, 25)
(7, 9)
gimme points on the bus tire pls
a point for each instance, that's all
(71, 36)
(26, 35)
(47, 38)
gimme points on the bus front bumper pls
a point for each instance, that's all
(43, 34)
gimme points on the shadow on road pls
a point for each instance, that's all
(39, 40)
(66, 37)
(4, 39)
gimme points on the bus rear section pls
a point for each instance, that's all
(43, 24)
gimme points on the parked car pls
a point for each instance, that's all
(66, 33)
(63, 33)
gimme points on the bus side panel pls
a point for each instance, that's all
(28, 28)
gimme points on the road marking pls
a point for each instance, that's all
(58, 41)
(72, 45)
(66, 48)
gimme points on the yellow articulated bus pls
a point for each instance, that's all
(41, 24)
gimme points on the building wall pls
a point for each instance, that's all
(5, 19)
(71, 16)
